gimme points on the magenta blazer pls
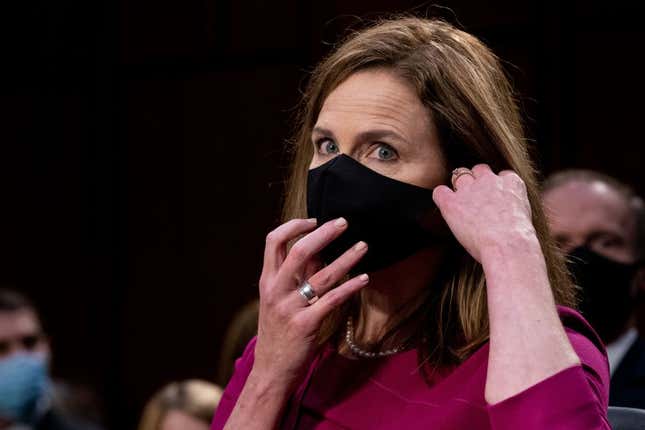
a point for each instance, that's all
(390, 393)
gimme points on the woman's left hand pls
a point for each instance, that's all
(486, 210)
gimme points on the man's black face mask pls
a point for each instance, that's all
(396, 219)
(606, 284)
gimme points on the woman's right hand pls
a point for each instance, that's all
(288, 326)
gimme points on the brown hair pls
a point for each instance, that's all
(238, 334)
(472, 104)
(196, 398)
(11, 301)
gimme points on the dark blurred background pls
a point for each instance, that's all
(142, 160)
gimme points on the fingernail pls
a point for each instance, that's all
(364, 278)
(340, 222)
(312, 220)
(360, 246)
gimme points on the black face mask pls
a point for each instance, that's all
(396, 219)
(606, 284)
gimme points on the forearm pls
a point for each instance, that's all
(259, 405)
(527, 340)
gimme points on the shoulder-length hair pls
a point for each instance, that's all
(472, 104)
(193, 397)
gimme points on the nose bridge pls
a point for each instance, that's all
(578, 240)
(571, 241)
(348, 154)
(332, 162)
(347, 141)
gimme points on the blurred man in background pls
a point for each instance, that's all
(599, 222)
(28, 399)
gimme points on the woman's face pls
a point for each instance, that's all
(376, 118)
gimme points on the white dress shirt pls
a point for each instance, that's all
(618, 348)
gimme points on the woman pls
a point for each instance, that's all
(453, 329)
(185, 405)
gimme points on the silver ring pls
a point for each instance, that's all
(308, 293)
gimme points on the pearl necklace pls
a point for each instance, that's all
(349, 336)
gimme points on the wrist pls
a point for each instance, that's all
(517, 263)
(260, 403)
(521, 246)
(266, 385)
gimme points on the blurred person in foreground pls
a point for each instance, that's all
(599, 222)
(186, 405)
(413, 283)
(28, 397)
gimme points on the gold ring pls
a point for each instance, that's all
(458, 172)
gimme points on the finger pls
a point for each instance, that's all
(513, 178)
(307, 247)
(481, 169)
(506, 172)
(336, 297)
(312, 267)
(441, 194)
(276, 242)
(325, 279)
(461, 177)
(510, 174)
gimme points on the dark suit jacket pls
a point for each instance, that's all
(627, 386)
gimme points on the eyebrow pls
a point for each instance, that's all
(375, 134)
(322, 130)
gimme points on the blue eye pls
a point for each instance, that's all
(327, 146)
(385, 152)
